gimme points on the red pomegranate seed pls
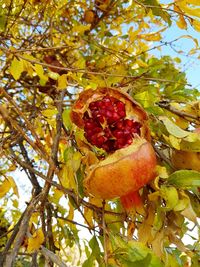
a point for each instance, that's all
(106, 125)
(129, 123)
(118, 134)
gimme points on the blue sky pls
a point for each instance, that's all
(190, 64)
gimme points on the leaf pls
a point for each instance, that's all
(2, 22)
(80, 29)
(189, 213)
(170, 195)
(16, 68)
(62, 82)
(190, 146)
(35, 241)
(63, 176)
(40, 72)
(173, 129)
(196, 25)
(157, 10)
(49, 112)
(194, 2)
(13, 185)
(175, 142)
(5, 187)
(66, 118)
(134, 253)
(185, 179)
(151, 37)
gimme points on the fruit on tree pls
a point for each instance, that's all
(186, 159)
(113, 121)
(90, 16)
(124, 171)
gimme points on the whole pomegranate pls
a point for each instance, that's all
(114, 122)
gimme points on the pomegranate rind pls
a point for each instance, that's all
(133, 108)
(124, 171)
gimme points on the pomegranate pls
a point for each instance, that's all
(113, 121)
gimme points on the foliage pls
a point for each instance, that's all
(50, 51)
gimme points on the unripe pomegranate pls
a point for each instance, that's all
(187, 159)
(113, 121)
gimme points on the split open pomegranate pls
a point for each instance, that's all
(113, 121)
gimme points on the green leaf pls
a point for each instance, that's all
(185, 179)
(94, 245)
(2, 22)
(172, 128)
(16, 68)
(134, 253)
(66, 118)
(157, 10)
(170, 195)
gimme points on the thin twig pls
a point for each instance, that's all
(104, 74)
(10, 259)
(104, 234)
(13, 125)
(166, 105)
(28, 124)
(49, 255)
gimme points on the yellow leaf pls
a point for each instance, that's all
(88, 215)
(194, 2)
(193, 39)
(81, 28)
(181, 23)
(63, 176)
(16, 68)
(76, 161)
(40, 72)
(35, 217)
(35, 241)
(141, 63)
(57, 194)
(162, 171)
(190, 11)
(49, 112)
(70, 215)
(151, 36)
(13, 185)
(15, 203)
(196, 25)
(5, 187)
(175, 142)
(62, 81)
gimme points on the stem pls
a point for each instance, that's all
(104, 234)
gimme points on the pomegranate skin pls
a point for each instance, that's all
(125, 171)
(132, 107)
